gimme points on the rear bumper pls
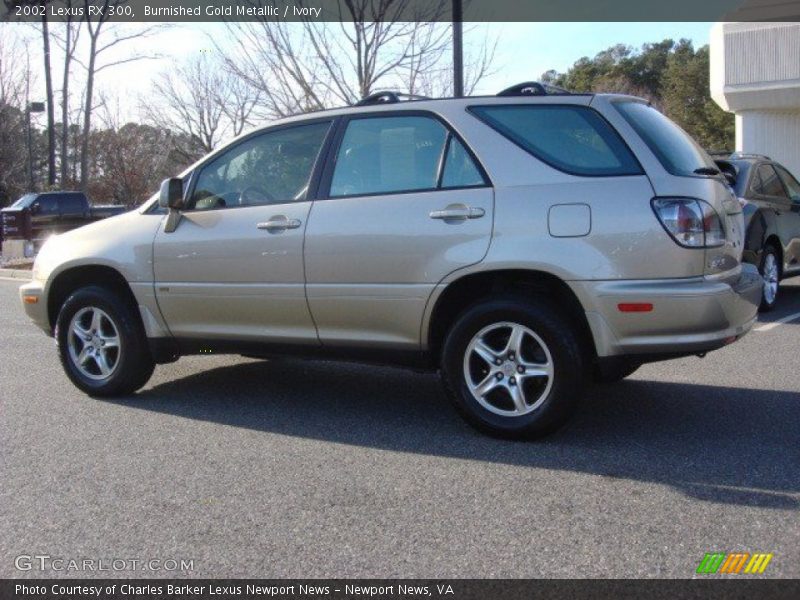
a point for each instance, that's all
(34, 302)
(689, 315)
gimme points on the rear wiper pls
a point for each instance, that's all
(707, 171)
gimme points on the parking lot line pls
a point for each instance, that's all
(774, 324)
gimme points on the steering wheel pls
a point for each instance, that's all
(246, 195)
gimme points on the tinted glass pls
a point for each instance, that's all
(271, 168)
(72, 204)
(574, 139)
(790, 182)
(770, 184)
(388, 154)
(675, 149)
(459, 168)
(48, 205)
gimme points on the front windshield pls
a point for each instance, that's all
(24, 202)
(674, 148)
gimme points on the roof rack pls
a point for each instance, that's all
(387, 97)
(534, 88)
(748, 155)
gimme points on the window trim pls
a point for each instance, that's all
(785, 198)
(778, 168)
(537, 156)
(313, 181)
(323, 192)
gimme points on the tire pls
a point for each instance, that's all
(614, 371)
(550, 347)
(98, 313)
(770, 270)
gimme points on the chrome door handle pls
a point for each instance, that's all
(279, 223)
(457, 212)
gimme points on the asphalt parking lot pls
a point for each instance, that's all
(303, 469)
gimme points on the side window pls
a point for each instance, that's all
(48, 205)
(790, 182)
(770, 183)
(756, 185)
(271, 168)
(72, 204)
(459, 168)
(388, 154)
(573, 139)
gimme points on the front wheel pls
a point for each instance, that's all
(514, 368)
(102, 344)
(770, 272)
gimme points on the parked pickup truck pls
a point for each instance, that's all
(38, 215)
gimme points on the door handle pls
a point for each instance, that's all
(457, 212)
(279, 223)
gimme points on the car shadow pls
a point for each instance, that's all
(717, 444)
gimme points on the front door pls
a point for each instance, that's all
(233, 267)
(405, 205)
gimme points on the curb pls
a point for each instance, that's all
(21, 274)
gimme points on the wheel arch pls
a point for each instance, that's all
(469, 289)
(73, 278)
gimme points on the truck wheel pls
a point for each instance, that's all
(102, 344)
(514, 367)
(771, 272)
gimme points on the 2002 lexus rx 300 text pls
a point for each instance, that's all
(520, 244)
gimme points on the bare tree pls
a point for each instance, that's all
(14, 84)
(102, 38)
(309, 65)
(203, 100)
(48, 81)
(67, 40)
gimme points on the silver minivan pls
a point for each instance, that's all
(520, 244)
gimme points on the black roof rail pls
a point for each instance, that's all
(735, 155)
(534, 88)
(388, 97)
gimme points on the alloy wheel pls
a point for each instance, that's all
(94, 343)
(508, 369)
(770, 275)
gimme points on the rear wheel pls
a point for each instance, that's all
(102, 344)
(514, 368)
(771, 272)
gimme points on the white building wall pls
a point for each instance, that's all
(755, 73)
(776, 134)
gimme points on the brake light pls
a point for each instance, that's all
(691, 223)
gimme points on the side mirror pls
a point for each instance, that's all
(171, 195)
(730, 177)
(35, 208)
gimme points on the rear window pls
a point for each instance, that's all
(573, 139)
(675, 149)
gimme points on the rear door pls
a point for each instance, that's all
(403, 204)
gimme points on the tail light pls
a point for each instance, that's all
(691, 223)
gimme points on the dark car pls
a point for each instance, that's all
(35, 216)
(770, 197)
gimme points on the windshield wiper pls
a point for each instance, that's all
(707, 171)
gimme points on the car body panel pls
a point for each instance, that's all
(219, 276)
(767, 218)
(368, 271)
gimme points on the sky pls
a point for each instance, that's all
(524, 51)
